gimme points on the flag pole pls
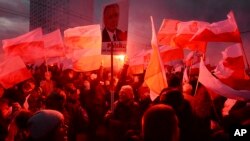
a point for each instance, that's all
(190, 68)
(112, 76)
(196, 87)
(244, 54)
(197, 83)
(46, 62)
(241, 42)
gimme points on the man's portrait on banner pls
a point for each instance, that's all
(111, 32)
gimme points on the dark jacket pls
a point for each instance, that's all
(121, 36)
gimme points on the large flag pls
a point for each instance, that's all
(231, 69)
(13, 71)
(84, 47)
(178, 34)
(53, 44)
(222, 31)
(83, 37)
(215, 85)
(155, 76)
(185, 31)
(29, 46)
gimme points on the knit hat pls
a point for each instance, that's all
(44, 122)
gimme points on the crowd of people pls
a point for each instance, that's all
(64, 105)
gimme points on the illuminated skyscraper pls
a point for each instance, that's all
(62, 14)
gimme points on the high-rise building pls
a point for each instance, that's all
(62, 14)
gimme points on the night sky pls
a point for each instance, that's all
(14, 19)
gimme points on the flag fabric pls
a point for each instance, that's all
(87, 63)
(178, 34)
(53, 44)
(167, 31)
(29, 46)
(167, 54)
(85, 59)
(215, 85)
(155, 76)
(192, 58)
(83, 37)
(222, 31)
(83, 46)
(185, 31)
(13, 71)
(231, 69)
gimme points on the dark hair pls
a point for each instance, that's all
(22, 118)
(56, 100)
(160, 123)
(110, 6)
(172, 97)
(4, 101)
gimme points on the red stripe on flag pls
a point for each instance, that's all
(28, 51)
(13, 78)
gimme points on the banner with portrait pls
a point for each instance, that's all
(115, 27)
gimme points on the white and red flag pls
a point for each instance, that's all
(53, 44)
(178, 34)
(214, 85)
(155, 71)
(222, 31)
(13, 71)
(84, 47)
(29, 46)
(231, 69)
(83, 37)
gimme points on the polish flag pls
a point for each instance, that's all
(13, 71)
(84, 47)
(185, 31)
(231, 70)
(83, 37)
(178, 34)
(222, 31)
(155, 71)
(29, 46)
(53, 44)
(214, 85)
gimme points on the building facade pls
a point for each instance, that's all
(60, 14)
